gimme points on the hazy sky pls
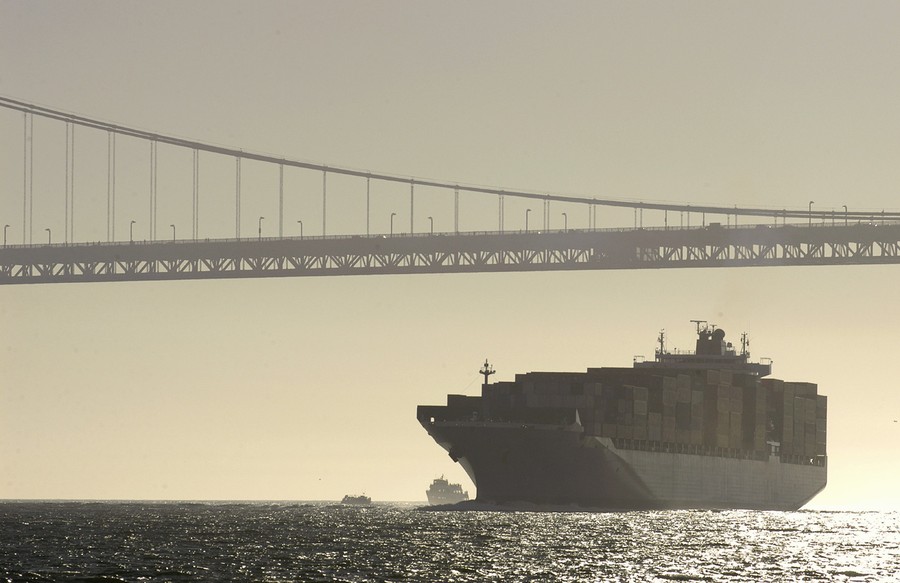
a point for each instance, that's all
(307, 388)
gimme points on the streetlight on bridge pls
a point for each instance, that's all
(810, 212)
(527, 211)
(846, 221)
(431, 222)
(131, 231)
(392, 223)
(173, 232)
(565, 222)
(48, 235)
(259, 225)
(301, 228)
(4, 234)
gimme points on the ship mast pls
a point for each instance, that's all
(487, 370)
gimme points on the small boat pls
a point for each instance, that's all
(361, 500)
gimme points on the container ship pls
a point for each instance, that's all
(689, 429)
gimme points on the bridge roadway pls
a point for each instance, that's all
(711, 246)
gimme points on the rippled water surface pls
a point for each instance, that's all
(78, 541)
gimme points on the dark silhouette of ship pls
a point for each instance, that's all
(361, 500)
(442, 491)
(698, 429)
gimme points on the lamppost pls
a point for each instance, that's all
(527, 211)
(810, 212)
(48, 235)
(845, 216)
(565, 222)
(392, 223)
(4, 234)
(131, 231)
(259, 227)
(301, 228)
(431, 222)
(173, 232)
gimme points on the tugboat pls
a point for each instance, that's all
(442, 491)
(361, 500)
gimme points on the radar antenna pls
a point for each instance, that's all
(698, 322)
(487, 370)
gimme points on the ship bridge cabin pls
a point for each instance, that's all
(712, 352)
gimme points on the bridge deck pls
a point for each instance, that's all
(711, 246)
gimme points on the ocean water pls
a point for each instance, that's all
(135, 541)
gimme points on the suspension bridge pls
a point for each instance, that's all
(719, 237)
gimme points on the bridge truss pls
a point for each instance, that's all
(712, 246)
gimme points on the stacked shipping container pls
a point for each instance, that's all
(708, 408)
(799, 417)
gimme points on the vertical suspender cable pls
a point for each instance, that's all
(456, 210)
(237, 198)
(72, 193)
(324, 201)
(66, 225)
(114, 186)
(31, 179)
(196, 219)
(69, 231)
(152, 190)
(113, 166)
(155, 189)
(24, 176)
(546, 214)
(108, 185)
(544, 207)
(28, 180)
(281, 200)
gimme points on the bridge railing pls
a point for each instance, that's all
(709, 226)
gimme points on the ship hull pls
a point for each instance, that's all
(562, 465)
(439, 500)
